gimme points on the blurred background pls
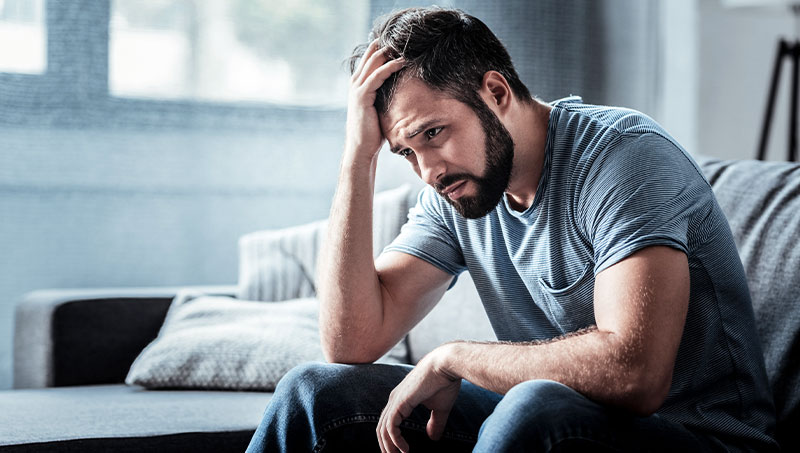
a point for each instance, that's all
(140, 138)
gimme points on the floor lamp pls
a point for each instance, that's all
(788, 50)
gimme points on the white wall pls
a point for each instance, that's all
(717, 64)
(677, 73)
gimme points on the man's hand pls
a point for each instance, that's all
(363, 129)
(427, 384)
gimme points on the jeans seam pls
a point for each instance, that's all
(584, 438)
(365, 418)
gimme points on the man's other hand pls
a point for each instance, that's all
(364, 137)
(427, 384)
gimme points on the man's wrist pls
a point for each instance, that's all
(445, 359)
(354, 153)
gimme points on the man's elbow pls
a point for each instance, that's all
(647, 392)
(337, 353)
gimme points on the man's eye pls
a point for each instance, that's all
(430, 133)
(405, 152)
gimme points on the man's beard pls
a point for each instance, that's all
(494, 182)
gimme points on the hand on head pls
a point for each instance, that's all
(364, 136)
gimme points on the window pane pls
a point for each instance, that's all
(282, 51)
(23, 38)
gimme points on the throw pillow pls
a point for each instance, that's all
(211, 342)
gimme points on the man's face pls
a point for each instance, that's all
(465, 154)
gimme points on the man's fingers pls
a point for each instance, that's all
(378, 76)
(393, 429)
(384, 440)
(389, 436)
(375, 61)
(371, 48)
(379, 432)
(436, 424)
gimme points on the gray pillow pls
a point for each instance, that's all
(214, 342)
(211, 342)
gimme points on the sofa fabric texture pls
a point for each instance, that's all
(210, 342)
(762, 203)
(127, 418)
(282, 264)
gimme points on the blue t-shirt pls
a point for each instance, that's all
(613, 182)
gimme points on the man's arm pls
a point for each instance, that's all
(625, 361)
(366, 307)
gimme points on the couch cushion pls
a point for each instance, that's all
(128, 419)
(210, 342)
(66, 337)
(762, 203)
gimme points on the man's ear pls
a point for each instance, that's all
(495, 91)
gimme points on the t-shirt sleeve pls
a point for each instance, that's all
(642, 190)
(428, 235)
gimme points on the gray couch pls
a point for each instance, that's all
(73, 348)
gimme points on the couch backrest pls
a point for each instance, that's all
(458, 316)
(762, 203)
(281, 264)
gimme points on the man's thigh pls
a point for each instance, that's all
(547, 416)
(336, 407)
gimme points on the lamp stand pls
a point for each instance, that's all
(786, 50)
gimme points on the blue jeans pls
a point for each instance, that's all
(332, 407)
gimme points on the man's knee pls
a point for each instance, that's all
(314, 400)
(545, 394)
(530, 414)
(316, 379)
(315, 382)
(541, 401)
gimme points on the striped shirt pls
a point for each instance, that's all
(613, 181)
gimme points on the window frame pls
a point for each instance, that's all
(76, 82)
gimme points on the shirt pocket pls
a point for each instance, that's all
(571, 307)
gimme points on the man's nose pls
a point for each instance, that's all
(432, 167)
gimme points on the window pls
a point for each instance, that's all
(23, 38)
(224, 64)
(277, 51)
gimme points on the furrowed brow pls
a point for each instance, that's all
(423, 127)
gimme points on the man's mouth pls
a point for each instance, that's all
(455, 190)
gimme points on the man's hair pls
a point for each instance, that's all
(446, 48)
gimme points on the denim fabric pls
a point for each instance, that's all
(332, 407)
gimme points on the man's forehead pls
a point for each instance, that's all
(412, 104)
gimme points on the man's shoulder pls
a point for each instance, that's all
(575, 114)
(588, 134)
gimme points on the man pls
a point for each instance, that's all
(606, 267)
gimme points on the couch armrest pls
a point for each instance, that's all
(83, 337)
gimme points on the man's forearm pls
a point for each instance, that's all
(592, 362)
(350, 308)
(351, 312)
